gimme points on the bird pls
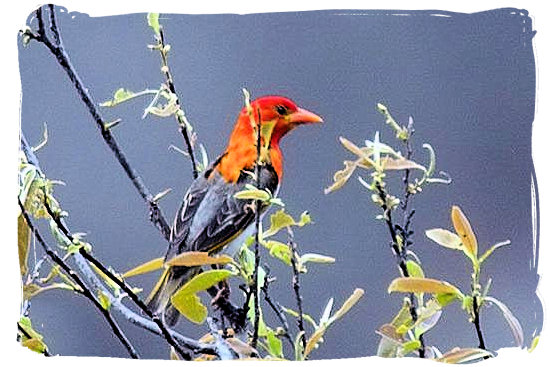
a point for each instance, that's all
(210, 217)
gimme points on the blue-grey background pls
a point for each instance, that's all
(467, 79)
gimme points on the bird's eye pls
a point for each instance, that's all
(281, 110)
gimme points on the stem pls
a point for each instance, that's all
(401, 254)
(180, 117)
(276, 307)
(63, 59)
(477, 324)
(258, 203)
(85, 290)
(296, 285)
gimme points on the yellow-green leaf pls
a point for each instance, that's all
(534, 344)
(23, 243)
(464, 230)
(121, 95)
(35, 345)
(253, 194)
(279, 220)
(153, 22)
(445, 238)
(348, 304)
(104, 300)
(147, 267)
(275, 345)
(463, 355)
(204, 280)
(415, 271)
(186, 301)
(423, 285)
(190, 306)
(197, 258)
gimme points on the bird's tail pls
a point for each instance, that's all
(170, 281)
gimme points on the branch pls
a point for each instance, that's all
(401, 254)
(121, 283)
(63, 59)
(180, 114)
(156, 325)
(477, 323)
(296, 285)
(276, 307)
(85, 290)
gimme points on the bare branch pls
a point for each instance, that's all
(85, 290)
(58, 50)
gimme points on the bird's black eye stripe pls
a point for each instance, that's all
(281, 110)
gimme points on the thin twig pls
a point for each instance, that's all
(258, 203)
(180, 117)
(58, 50)
(296, 285)
(85, 290)
(276, 307)
(155, 326)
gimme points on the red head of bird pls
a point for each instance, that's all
(278, 115)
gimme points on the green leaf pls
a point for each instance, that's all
(279, 250)
(423, 285)
(121, 95)
(274, 344)
(534, 344)
(190, 306)
(305, 218)
(445, 299)
(153, 22)
(464, 355)
(186, 301)
(104, 300)
(414, 269)
(445, 238)
(147, 267)
(23, 243)
(279, 220)
(409, 347)
(35, 342)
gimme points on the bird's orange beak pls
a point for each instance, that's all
(303, 116)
